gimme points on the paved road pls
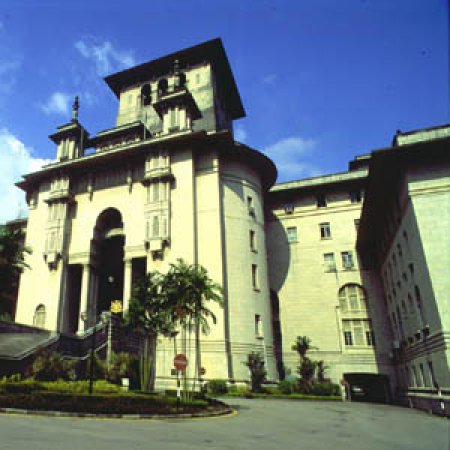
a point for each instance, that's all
(259, 425)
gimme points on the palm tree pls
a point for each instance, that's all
(12, 264)
(188, 287)
(301, 345)
(149, 314)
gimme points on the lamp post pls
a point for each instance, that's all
(103, 319)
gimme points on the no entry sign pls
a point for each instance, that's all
(180, 362)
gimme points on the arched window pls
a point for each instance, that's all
(352, 298)
(39, 317)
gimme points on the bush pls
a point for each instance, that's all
(303, 387)
(100, 403)
(217, 387)
(286, 387)
(122, 365)
(255, 363)
(51, 366)
(325, 389)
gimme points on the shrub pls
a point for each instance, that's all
(286, 387)
(325, 389)
(122, 365)
(306, 369)
(255, 363)
(217, 387)
(51, 366)
(303, 387)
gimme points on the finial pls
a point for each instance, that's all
(176, 66)
(75, 108)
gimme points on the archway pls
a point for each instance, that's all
(110, 240)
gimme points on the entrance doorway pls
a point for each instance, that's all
(110, 240)
(368, 387)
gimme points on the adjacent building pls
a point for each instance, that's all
(357, 261)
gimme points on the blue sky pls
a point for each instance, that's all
(321, 80)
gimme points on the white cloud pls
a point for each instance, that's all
(290, 156)
(240, 134)
(58, 103)
(106, 58)
(15, 160)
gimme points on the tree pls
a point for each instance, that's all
(188, 288)
(12, 264)
(302, 345)
(307, 367)
(255, 363)
(149, 314)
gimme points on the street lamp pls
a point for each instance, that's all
(103, 320)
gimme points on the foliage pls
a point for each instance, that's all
(301, 345)
(50, 366)
(217, 387)
(239, 391)
(99, 368)
(120, 366)
(124, 403)
(149, 314)
(286, 387)
(12, 264)
(187, 287)
(321, 368)
(325, 389)
(255, 363)
(306, 369)
(161, 302)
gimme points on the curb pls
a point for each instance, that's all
(225, 412)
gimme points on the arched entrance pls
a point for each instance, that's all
(109, 238)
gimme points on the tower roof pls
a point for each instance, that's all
(211, 51)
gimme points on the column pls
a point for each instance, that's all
(126, 284)
(84, 298)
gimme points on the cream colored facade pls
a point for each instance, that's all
(169, 181)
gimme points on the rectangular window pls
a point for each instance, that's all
(321, 201)
(422, 375)
(173, 118)
(347, 260)
(358, 332)
(258, 328)
(325, 230)
(357, 224)
(291, 234)
(355, 196)
(155, 227)
(250, 207)
(255, 276)
(329, 262)
(252, 240)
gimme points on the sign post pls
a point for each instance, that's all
(180, 362)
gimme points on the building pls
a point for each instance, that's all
(309, 257)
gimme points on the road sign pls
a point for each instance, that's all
(202, 371)
(180, 362)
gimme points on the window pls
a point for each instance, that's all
(358, 333)
(321, 201)
(355, 196)
(255, 277)
(347, 260)
(352, 298)
(258, 327)
(325, 230)
(422, 375)
(250, 207)
(291, 234)
(39, 317)
(357, 224)
(155, 226)
(330, 264)
(399, 250)
(419, 304)
(252, 240)
(173, 119)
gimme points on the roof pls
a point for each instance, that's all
(211, 51)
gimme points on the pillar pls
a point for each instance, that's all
(84, 298)
(126, 284)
